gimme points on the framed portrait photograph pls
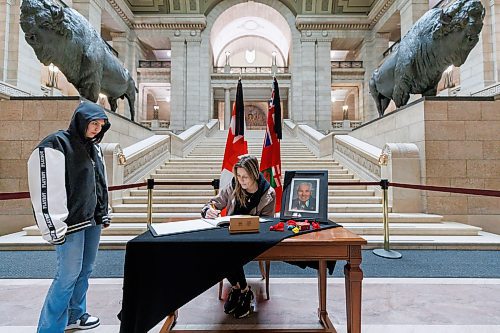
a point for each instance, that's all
(305, 195)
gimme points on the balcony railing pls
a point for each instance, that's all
(154, 64)
(251, 70)
(392, 48)
(340, 124)
(347, 64)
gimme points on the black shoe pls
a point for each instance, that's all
(232, 300)
(244, 305)
(86, 322)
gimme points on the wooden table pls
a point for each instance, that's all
(322, 246)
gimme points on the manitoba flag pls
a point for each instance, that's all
(235, 144)
(270, 162)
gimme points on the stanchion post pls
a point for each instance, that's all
(216, 185)
(151, 186)
(386, 252)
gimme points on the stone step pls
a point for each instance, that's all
(337, 217)
(362, 229)
(182, 173)
(203, 199)
(414, 229)
(210, 187)
(183, 192)
(290, 160)
(196, 207)
(483, 241)
(217, 167)
(210, 177)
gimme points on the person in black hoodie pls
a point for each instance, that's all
(249, 193)
(69, 195)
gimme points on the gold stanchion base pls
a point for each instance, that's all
(388, 254)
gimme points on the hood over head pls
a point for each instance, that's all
(84, 114)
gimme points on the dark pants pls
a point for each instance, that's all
(237, 276)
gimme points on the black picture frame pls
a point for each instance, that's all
(313, 184)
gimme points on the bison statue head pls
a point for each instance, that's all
(65, 38)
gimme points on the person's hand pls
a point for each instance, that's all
(212, 213)
(104, 226)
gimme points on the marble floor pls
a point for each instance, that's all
(389, 305)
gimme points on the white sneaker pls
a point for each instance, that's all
(86, 322)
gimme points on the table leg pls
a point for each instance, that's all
(353, 281)
(169, 322)
(322, 313)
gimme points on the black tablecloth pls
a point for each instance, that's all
(164, 273)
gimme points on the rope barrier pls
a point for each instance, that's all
(473, 191)
(461, 190)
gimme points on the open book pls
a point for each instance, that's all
(168, 228)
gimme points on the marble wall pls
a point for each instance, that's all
(459, 146)
(23, 123)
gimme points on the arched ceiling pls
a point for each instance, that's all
(348, 7)
(250, 19)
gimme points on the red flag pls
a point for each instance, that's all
(270, 162)
(235, 144)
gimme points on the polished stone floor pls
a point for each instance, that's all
(397, 305)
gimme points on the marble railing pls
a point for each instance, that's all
(9, 90)
(492, 90)
(360, 157)
(144, 156)
(396, 162)
(318, 143)
(184, 143)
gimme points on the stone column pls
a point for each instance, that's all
(5, 19)
(480, 68)
(315, 79)
(371, 53)
(494, 11)
(227, 108)
(323, 81)
(178, 82)
(410, 12)
(125, 43)
(194, 114)
(91, 10)
(307, 74)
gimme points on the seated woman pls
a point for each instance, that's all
(249, 194)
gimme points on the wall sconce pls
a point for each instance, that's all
(155, 111)
(345, 112)
(228, 53)
(53, 76)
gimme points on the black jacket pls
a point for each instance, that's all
(67, 178)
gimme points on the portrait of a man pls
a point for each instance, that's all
(304, 195)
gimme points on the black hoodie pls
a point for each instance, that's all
(67, 178)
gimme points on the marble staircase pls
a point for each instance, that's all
(357, 208)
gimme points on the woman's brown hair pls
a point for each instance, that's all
(251, 166)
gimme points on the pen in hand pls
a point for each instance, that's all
(213, 212)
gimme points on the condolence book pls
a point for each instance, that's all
(169, 228)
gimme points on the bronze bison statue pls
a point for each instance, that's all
(65, 38)
(440, 38)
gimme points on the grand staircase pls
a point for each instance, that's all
(357, 208)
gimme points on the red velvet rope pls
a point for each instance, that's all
(472, 191)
